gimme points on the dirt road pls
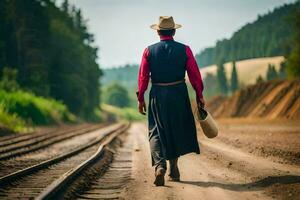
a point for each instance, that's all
(249, 160)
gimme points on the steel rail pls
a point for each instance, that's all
(37, 145)
(66, 179)
(30, 136)
(29, 170)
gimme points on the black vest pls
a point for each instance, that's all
(167, 61)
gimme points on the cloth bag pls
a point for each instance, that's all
(207, 123)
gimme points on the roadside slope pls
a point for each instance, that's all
(270, 100)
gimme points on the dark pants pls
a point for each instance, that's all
(156, 150)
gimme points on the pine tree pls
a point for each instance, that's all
(282, 70)
(271, 72)
(222, 81)
(65, 6)
(211, 81)
(2, 34)
(259, 79)
(234, 78)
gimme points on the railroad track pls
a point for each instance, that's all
(46, 180)
(110, 184)
(48, 149)
(23, 145)
(16, 138)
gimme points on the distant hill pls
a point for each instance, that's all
(248, 70)
(266, 37)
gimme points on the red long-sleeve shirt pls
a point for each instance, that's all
(191, 68)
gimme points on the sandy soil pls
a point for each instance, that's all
(239, 164)
(277, 99)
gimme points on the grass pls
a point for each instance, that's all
(11, 121)
(128, 114)
(19, 107)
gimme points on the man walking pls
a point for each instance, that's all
(172, 130)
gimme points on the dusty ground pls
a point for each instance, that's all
(249, 160)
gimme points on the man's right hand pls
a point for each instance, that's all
(142, 107)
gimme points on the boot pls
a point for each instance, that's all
(174, 174)
(160, 176)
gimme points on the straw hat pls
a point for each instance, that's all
(165, 23)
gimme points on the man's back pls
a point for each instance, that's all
(167, 60)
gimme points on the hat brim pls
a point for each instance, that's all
(156, 27)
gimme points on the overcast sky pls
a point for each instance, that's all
(121, 27)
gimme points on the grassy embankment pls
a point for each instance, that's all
(128, 114)
(20, 110)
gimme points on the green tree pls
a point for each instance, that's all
(271, 72)
(74, 73)
(259, 79)
(117, 95)
(222, 80)
(8, 81)
(2, 34)
(65, 6)
(234, 78)
(211, 82)
(26, 34)
(282, 70)
(293, 60)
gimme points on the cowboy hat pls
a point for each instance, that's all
(165, 23)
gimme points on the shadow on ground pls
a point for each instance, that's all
(257, 185)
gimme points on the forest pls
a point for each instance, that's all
(50, 53)
(269, 35)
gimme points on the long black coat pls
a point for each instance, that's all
(169, 106)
